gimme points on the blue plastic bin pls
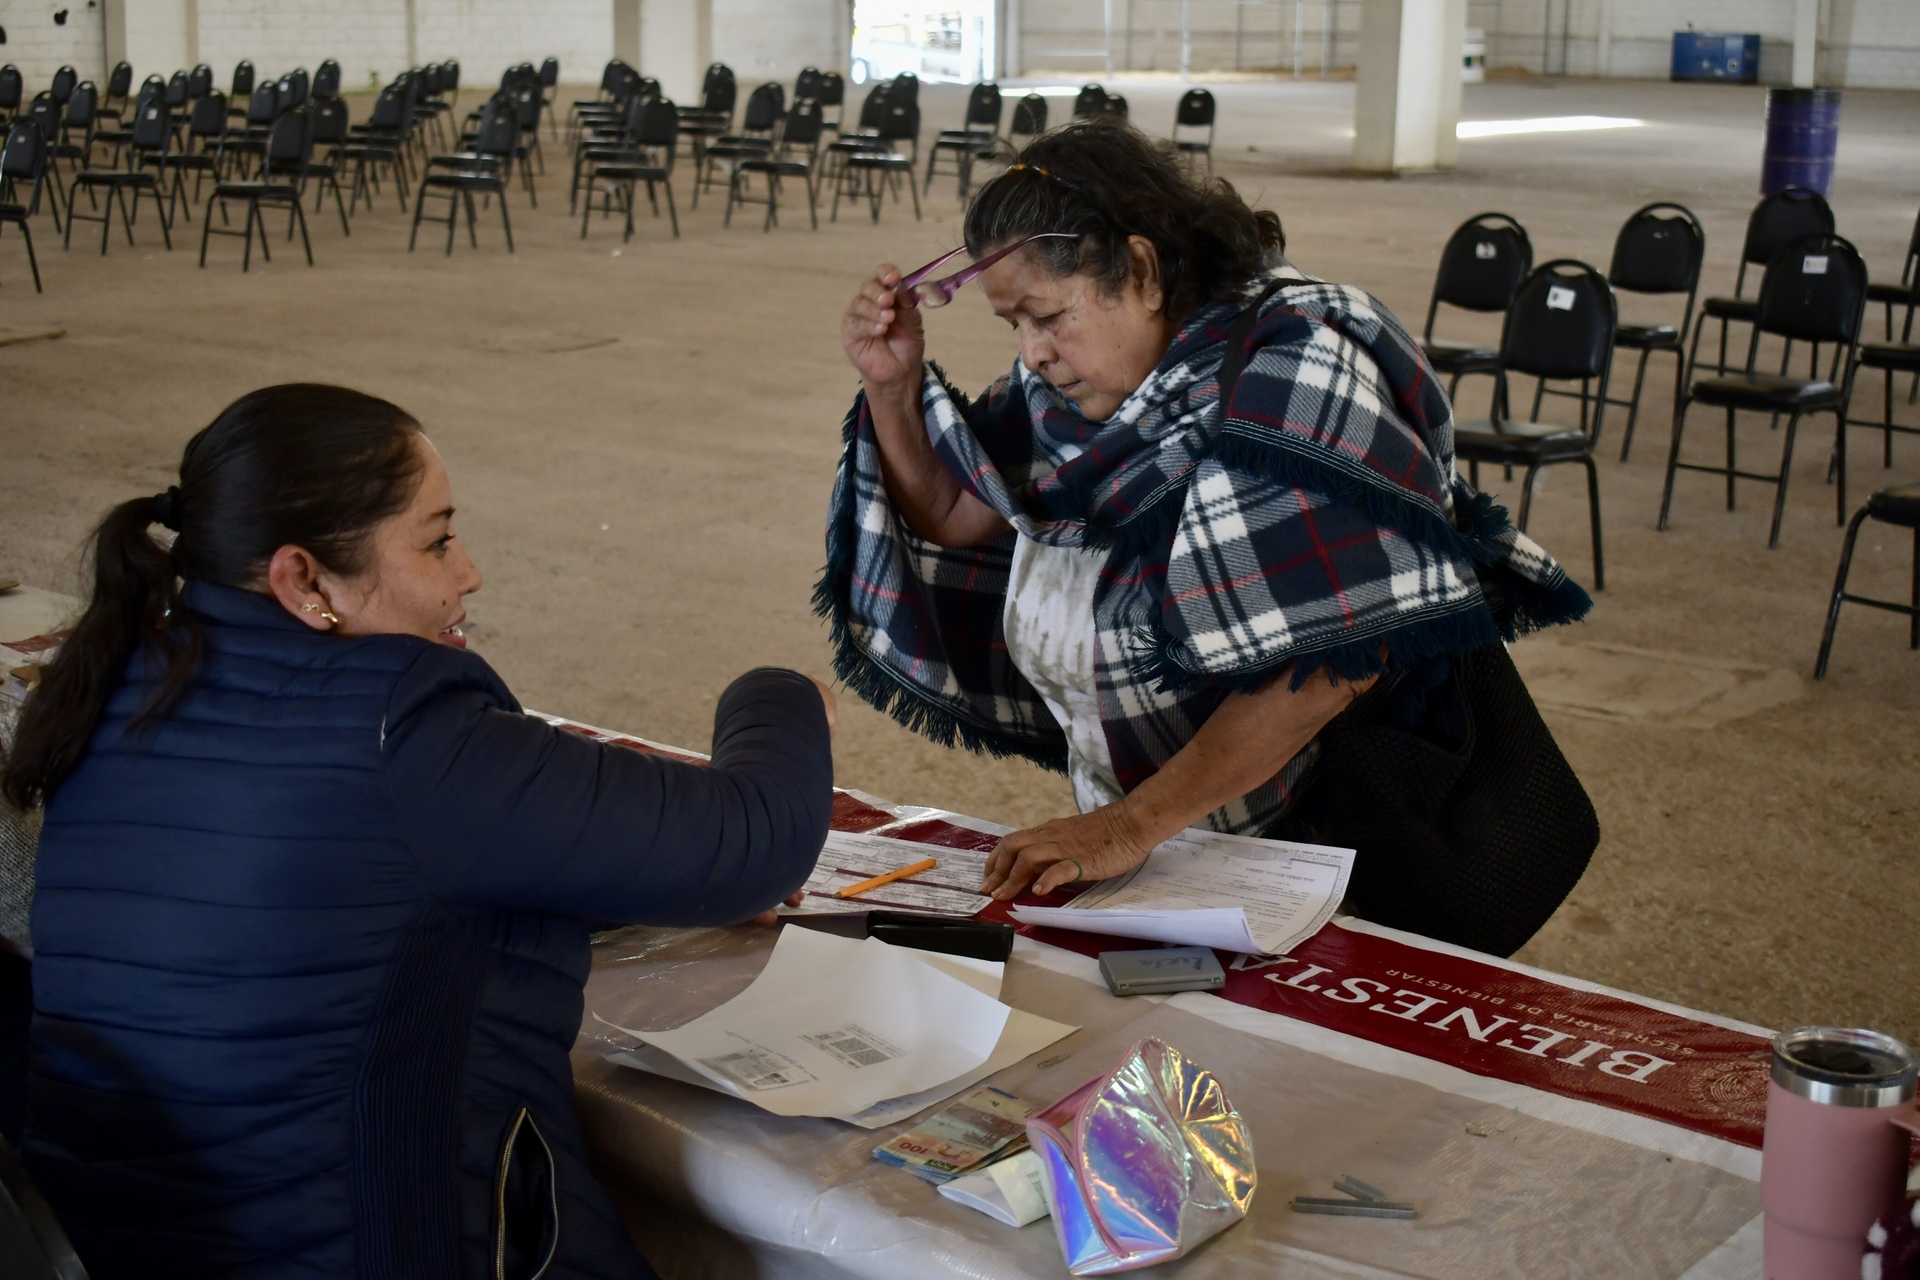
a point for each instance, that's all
(1803, 132)
(1697, 56)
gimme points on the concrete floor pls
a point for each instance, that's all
(642, 438)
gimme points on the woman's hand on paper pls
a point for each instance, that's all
(1088, 846)
(883, 335)
(771, 916)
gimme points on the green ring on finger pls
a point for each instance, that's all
(1079, 872)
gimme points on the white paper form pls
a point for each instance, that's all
(871, 1025)
(1205, 889)
(950, 889)
(800, 956)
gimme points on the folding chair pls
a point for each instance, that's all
(1775, 222)
(206, 135)
(1899, 507)
(1484, 262)
(1659, 251)
(241, 149)
(872, 172)
(43, 113)
(486, 171)
(1559, 327)
(765, 106)
(714, 116)
(78, 116)
(240, 91)
(13, 87)
(795, 157)
(656, 138)
(152, 140)
(1896, 295)
(1890, 358)
(381, 141)
(113, 103)
(23, 162)
(979, 130)
(549, 81)
(1089, 102)
(328, 122)
(283, 172)
(326, 80)
(833, 99)
(1814, 290)
(1196, 111)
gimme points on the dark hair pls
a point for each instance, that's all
(312, 466)
(1103, 180)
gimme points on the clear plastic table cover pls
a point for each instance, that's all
(713, 1187)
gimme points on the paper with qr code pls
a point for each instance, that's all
(831, 1027)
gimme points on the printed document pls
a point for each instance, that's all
(849, 1029)
(950, 889)
(1205, 889)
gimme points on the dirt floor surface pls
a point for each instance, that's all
(642, 437)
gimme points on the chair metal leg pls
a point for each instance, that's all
(1780, 493)
(419, 207)
(1526, 496)
(506, 222)
(1593, 516)
(673, 215)
(1673, 461)
(305, 243)
(1633, 405)
(1730, 457)
(1840, 463)
(1840, 587)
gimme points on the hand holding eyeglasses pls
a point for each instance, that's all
(882, 330)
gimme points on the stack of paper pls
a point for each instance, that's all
(1204, 889)
(952, 888)
(1014, 1191)
(985, 1123)
(856, 1030)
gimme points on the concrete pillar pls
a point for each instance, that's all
(1406, 102)
(1806, 36)
(158, 37)
(1603, 47)
(676, 38)
(1010, 64)
(626, 31)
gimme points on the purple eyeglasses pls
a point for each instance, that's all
(938, 293)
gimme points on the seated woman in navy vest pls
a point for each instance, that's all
(311, 919)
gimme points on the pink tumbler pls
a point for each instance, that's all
(1839, 1111)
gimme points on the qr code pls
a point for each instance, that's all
(854, 1045)
(757, 1069)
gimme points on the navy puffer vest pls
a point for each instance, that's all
(309, 953)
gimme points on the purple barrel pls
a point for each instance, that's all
(1803, 129)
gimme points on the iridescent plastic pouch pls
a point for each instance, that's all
(1144, 1163)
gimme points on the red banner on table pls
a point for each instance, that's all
(1472, 1014)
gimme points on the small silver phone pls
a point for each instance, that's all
(1160, 970)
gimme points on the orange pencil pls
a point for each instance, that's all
(925, 864)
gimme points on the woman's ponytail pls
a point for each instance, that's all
(133, 606)
(301, 465)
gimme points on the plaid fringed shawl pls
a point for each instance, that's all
(1319, 526)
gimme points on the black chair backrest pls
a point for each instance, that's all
(289, 142)
(329, 120)
(1090, 101)
(900, 122)
(298, 83)
(807, 84)
(153, 127)
(636, 111)
(12, 85)
(64, 81)
(804, 122)
(1659, 250)
(1195, 110)
(660, 126)
(1029, 116)
(500, 124)
(611, 75)
(120, 83)
(984, 106)
(764, 106)
(326, 81)
(1561, 323)
(526, 105)
(646, 87)
(904, 87)
(720, 92)
(177, 91)
(874, 108)
(833, 89)
(1484, 262)
(450, 75)
(45, 112)
(151, 88)
(24, 157)
(200, 82)
(389, 108)
(1779, 220)
(1815, 290)
(550, 72)
(242, 80)
(1117, 105)
(80, 104)
(264, 104)
(209, 119)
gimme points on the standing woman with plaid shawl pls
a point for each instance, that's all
(1097, 568)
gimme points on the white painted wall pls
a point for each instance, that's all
(763, 40)
(39, 48)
